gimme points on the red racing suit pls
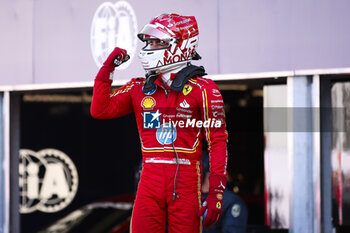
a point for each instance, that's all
(171, 124)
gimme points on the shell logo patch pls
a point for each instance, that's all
(219, 196)
(187, 89)
(218, 205)
(148, 103)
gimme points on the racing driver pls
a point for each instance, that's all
(175, 109)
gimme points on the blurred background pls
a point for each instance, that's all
(283, 68)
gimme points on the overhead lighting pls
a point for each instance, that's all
(57, 98)
(235, 87)
(258, 93)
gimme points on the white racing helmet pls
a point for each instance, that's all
(179, 32)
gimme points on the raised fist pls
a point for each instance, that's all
(117, 57)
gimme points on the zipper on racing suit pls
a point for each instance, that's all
(177, 172)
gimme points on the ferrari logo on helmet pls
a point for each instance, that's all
(187, 89)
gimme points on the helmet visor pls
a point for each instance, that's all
(155, 44)
(156, 31)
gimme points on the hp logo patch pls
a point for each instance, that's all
(151, 120)
(166, 134)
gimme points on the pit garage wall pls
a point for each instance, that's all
(340, 155)
(282, 170)
(3, 207)
(276, 162)
(50, 41)
(293, 157)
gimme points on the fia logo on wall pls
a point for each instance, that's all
(48, 180)
(113, 25)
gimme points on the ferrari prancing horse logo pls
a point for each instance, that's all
(187, 89)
